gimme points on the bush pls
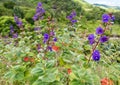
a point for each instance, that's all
(18, 12)
(5, 12)
(9, 4)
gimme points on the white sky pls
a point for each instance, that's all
(106, 2)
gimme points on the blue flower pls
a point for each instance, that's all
(55, 39)
(99, 30)
(49, 48)
(112, 17)
(39, 4)
(11, 29)
(39, 12)
(103, 39)
(96, 55)
(46, 37)
(15, 35)
(36, 29)
(105, 18)
(73, 21)
(91, 39)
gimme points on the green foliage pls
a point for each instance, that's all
(18, 12)
(9, 4)
(5, 12)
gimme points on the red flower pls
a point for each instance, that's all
(106, 81)
(69, 70)
(26, 59)
(55, 48)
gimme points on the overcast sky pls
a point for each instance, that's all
(106, 2)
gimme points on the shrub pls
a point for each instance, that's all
(9, 4)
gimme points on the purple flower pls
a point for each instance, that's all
(55, 39)
(73, 13)
(38, 47)
(73, 21)
(49, 48)
(103, 39)
(36, 29)
(39, 12)
(52, 33)
(99, 30)
(70, 17)
(15, 35)
(11, 29)
(91, 39)
(18, 22)
(39, 4)
(112, 17)
(35, 17)
(46, 37)
(105, 18)
(96, 55)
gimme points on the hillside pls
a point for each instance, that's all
(107, 6)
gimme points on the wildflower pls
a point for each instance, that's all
(91, 39)
(11, 29)
(15, 35)
(112, 17)
(50, 48)
(39, 12)
(38, 47)
(26, 59)
(71, 17)
(18, 22)
(105, 18)
(55, 48)
(99, 30)
(73, 21)
(96, 55)
(55, 39)
(46, 37)
(36, 29)
(103, 39)
(69, 70)
(52, 33)
(106, 81)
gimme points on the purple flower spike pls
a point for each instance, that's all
(96, 55)
(11, 29)
(99, 30)
(15, 35)
(103, 39)
(105, 18)
(39, 4)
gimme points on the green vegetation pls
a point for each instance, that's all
(53, 50)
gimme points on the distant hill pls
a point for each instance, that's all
(107, 6)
